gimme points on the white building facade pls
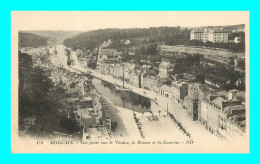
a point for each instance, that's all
(212, 35)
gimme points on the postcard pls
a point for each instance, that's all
(130, 82)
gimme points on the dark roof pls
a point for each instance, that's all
(150, 72)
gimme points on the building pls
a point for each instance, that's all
(237, 39)
(192, 100)
(179, 90)
(85, 118)
(149, 78)
(191, 105)
(189, 77)
(109, 52)
(199, 34)
(135, 76)
(118, 71)
(216, 111)
(165, 91)
(235, 128)
(211, 83)
(209, 115)
(111, 69)
(105, 44)
(72, 92)
(212, 35)
(218, 36)
(29, 121)
(150, 82)
(164, 69)
(232, 121)
(83, 62)
(127, 42)
(85, 102)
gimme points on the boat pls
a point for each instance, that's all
(123, 89)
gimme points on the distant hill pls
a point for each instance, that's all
(55, 36)
(137, 36)
(229, 28)
(31, 40)
(235, 28)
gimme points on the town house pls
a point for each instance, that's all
(150, 82)
(214, 112)
(192, 100)
(179, 90)
(230, 118)
(135, 76)
(164, 69)
(165, 91)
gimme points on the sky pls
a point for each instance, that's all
(92, 20)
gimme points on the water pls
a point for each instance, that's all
(129, 100)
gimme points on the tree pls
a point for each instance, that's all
(40, 98)
(31, 40)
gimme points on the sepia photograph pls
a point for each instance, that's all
(130, 82)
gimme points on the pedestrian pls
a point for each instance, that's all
(121, 135)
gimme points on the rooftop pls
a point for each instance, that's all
(166, 88)
(228, 110)
(87, 98)
(218, 101)
(165, 64)
(217, 31)
(84, 113)
(179, 83)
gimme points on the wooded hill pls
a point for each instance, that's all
(144, 38)
(137, 36)
(55, 37)
(31, 40)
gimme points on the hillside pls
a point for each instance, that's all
(235, 28)
(31, 40)
(228, 28)
(141, 39)
(137, 36)
(55, 36)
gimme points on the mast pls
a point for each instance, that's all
(114, 73)
(123, 75)
(167, 109)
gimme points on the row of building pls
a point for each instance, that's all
(86, 105)
(215, 35)
(223, 114)
(80, 101)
